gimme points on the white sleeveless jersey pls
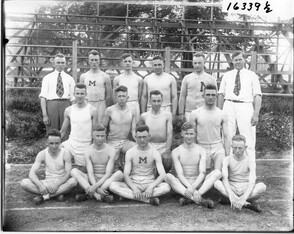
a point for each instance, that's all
(54, 166)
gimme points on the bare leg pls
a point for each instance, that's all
(209, 181)
(66, 187)
(221, 188)
(175, 184)
(116, 177)
(257, 191)
(122, 189)
(161, 189)
(29, 186)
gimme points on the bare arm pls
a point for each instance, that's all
(179, 169)
(226, 135)
(106, 118)
(46, 119)
(193, 120)
(160, 170)
(220, 100)
(115, 84)
(202, 169)
(252, 179)
(68, 167)
(141, 120)
(127, 172)
(174, 97)
(82, 78)
(66, 122)
(144, 98)
(133, 126)
(183, 95)
(94, 115)
(140, 89)
(108, 91)
(32, 175)
(89, 167)
(169, 133)
(256, 106)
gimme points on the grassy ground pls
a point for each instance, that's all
(276, 203)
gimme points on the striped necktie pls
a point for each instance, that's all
(237, 84)
(59, 86)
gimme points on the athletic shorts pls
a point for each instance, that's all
(101, 107)
(50, 181)
(213, 151)
(134, 108)
(239, 188)
(77, 150)
(80, 168)
(160, 147)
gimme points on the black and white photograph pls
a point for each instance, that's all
(147, 116)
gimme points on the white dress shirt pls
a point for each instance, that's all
(49, 84)
(250, 86)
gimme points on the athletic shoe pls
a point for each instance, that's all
(60, 198)
(253, 206)
(183, 201)
(207, 203)
(107, 199)
(224, 201)
(38, 200)
(81, 197)
(154, 201)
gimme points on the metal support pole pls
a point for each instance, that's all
(75, 60)
(167, 57)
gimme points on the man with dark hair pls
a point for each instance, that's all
(192, 87)
(121, 122)
(211, 124)
(190, 165)
(161, 129)
(58, 166)
(81, 116)
(99, 159)
(56, 94)
(165, 83)
(132, 81)
(139, 172)
(238, 185)
(98, 85)
(240, 98)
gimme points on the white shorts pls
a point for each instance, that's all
(160, 147)
(134, 108)
(101, 107)
(50, 181)
(77, 150)
(213, 151)
(239, 188)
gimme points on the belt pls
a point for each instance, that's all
(235, 101)
(59, 99)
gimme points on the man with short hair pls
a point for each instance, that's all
(120, 121)
(81, 116)
(165, 83)
(132, 81)
(190, 165)
(192, 87)
(139, 172)
(211, 124)
(99, 159)
(240, 97)
(56, 94)
(161, 129)
(98, 85)
(238, 184)
(57, 170)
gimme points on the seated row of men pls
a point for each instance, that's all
(143, 176)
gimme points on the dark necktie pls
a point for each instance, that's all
(59, 86)
(237, 84)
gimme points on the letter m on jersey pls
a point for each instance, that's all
(92, 83)
(142, 160)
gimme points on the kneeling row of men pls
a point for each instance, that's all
(144, 178)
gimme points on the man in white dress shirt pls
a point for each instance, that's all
(56, 94)
(240, 97)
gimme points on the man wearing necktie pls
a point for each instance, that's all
(56, 94)
(240, 97)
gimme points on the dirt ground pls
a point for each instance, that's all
(20, 214)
